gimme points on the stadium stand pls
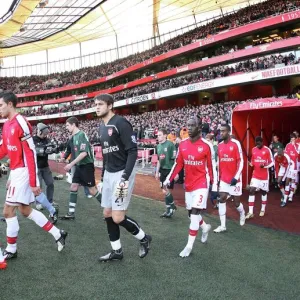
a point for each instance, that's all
(261, 63)
(172, 119)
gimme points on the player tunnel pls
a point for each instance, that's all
(264, 118)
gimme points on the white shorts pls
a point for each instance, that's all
(19, 191)
(110, 180)
(231, 190)
(196, 199)
(292, 174)
(260, 184)
(281, 171)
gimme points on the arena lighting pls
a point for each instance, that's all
(43, 3)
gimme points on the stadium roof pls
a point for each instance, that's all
(37, 25)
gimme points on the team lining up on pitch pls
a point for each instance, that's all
(206, 172)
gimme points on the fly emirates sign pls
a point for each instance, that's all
(260, 105)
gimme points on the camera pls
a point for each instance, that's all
(46, 149)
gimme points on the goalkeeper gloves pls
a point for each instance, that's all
(121, 190)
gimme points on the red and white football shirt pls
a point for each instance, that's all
(292, 151)
(231, 160)
(283, 161)
(17, 144)
(298, 146)
(260, 157)
(198, 162)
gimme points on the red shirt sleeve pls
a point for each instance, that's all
(177, 166)
(212, 169)
(252, 158)
(270, 159)
(276, 165)
(3, 151)
(29, 150)
(209, 166)
(239, 160)
(288, 160)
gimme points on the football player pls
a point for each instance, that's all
(230, 168)
(195, 155)
(166, 152)
(261, 161)
(119, 148)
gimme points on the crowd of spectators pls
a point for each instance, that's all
(238, 18)
(210, 73)
(189, 78)
(146, 124)
(48, 110)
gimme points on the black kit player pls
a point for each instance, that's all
(119, 150)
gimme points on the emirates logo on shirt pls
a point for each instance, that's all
(110, 149)
(193, 162)
(12, 148)
(162, 156)
(226, 158)
(110, 131)
(259, 160)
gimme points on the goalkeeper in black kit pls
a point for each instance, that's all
(119, 150)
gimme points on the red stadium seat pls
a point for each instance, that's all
(141, 154)
(154, 160)
(97, 149)
(98, 158)
(99, 155)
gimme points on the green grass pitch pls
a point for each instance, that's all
(243, 263)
